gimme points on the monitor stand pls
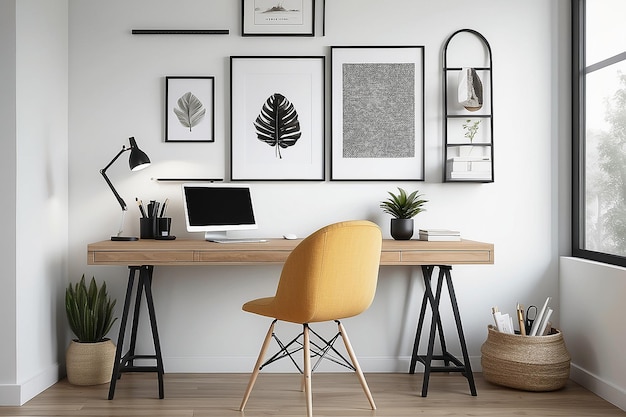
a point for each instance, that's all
(221, 237)
(213, 236)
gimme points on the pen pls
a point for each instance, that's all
(520, 319)
(140, 204)
(164, 206)
(156, 209)
(151, 208)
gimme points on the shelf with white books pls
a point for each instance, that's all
(468, 108)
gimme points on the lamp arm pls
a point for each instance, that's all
(108, 181)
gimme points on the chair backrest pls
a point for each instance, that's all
(331, 274)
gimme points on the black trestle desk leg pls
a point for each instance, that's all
(146, 275)
(126, 362)
(428, 298)
(434, 302)
(451, 363)
(130, 355)
(120, 338)
(457, 317)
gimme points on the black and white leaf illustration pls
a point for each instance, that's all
(190, 110)
(277, 124)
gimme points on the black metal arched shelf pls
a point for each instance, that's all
(459, 165)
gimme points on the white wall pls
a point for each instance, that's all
(117, 91)
(8, 347)
(594, 323)
(35, 147)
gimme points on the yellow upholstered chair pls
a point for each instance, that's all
(330, 275)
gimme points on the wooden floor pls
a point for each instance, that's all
(338, 394)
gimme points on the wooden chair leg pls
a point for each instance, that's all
(356, 365)
(257, 366)
(307, 372)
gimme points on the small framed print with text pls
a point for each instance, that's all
(278, 18)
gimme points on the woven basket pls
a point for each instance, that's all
(90, 363)
(530, 363)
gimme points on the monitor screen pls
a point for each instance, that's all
(215, 208)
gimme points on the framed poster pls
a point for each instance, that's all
(277, 118)
(189, 109)
(278, 18)
(377, 113)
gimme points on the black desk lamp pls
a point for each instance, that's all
(138, 160)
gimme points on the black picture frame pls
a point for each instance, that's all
(377, 113)
(278, 18)
(291, 83)
(189, 109)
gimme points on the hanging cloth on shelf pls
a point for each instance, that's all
(470, 90)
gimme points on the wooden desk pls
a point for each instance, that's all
(143, 255)
(200, 252)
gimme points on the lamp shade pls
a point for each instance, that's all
(138, 159)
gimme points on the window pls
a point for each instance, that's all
(599, 130)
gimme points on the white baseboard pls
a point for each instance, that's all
(613, 394)
(19, 394)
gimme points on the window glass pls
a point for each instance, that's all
(605, 160)
(606, 29)
(599, 126)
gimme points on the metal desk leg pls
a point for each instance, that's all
(427, 272)
(451, 363)
(126, 363)
(120, 338)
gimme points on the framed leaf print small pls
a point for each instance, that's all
(189, 109)
(278, 18)
(377, 113)
(277, 118)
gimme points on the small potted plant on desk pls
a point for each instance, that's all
(403, 207)
(90, 357)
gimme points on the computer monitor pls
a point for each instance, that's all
(217, 208)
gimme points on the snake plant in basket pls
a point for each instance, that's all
(90, 357)
(403, 207)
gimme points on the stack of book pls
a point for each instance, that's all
(439, 235)
(468, 168)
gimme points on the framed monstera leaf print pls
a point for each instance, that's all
(189, 109)
(277, 118)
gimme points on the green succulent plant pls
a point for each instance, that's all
(89, 310)
(403, 205)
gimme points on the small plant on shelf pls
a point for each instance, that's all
(471, 128)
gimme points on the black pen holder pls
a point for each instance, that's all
(147, 227)
(155, 227)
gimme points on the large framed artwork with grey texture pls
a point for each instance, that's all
(277, 118)
(377, 113)
(189, 109)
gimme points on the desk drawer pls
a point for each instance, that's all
(242, 256)
(447, 257)
(390, 258)
(142, 258)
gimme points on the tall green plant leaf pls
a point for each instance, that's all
(277, 124)
(89, 310)
(190, 110)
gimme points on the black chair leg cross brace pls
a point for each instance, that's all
(126, 363)
(450, 362)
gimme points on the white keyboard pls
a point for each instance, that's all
(247, 240)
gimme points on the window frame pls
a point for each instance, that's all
(579, 72)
